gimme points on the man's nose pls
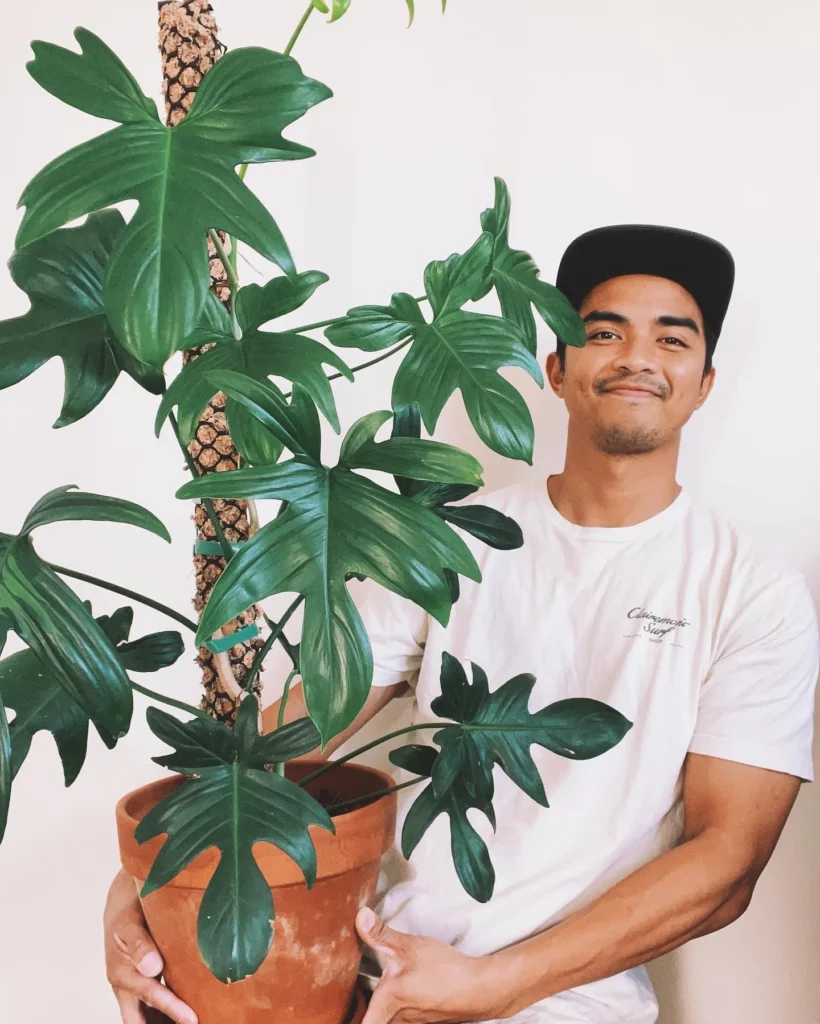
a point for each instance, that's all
(637, 355)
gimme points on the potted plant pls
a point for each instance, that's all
(253, 861)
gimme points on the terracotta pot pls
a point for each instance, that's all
(309, 976)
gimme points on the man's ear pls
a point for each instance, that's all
(706, 386)
(555, 375)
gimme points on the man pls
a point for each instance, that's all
(625, 591)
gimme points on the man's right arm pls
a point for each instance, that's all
(133, 962)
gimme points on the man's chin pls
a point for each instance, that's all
(628, 440)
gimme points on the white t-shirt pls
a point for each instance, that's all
(704, 644)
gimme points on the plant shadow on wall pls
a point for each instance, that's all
(109, 297)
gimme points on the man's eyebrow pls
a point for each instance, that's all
(678, 321)
(606, 314)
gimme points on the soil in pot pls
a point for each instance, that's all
(309, 976)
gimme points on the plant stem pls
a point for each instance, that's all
(345, 804)
(283, 640)
(233, 280)
(280, 718)
(169, 700)
(280, 721)
(330, 765)
(271, 640)
(298, 31)
(124, 592)
(227, 554)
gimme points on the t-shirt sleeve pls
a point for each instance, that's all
(397, 629)
(757, 703)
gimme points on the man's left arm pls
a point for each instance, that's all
(734, 814)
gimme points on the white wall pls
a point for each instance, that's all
(701, 115)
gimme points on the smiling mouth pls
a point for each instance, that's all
(633, 393)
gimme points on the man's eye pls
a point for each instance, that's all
(674, 341)
(609, 335)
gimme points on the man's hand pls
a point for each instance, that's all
(133, 963)
(425, 981)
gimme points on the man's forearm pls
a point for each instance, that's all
(694, 889)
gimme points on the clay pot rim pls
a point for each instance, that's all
(371, 826)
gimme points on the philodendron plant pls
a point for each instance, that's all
(109, 296)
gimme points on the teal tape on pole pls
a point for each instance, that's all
(225, 643)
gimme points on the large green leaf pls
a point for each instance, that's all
(471, 858)
(67, 503)
(183, 179)
(230, 803)
(73, 649)
(498, 728)
(62, 274)
(488, 729)
(518, 284)
(458, 350)
(336, 523)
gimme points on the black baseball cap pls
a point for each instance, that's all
(701, 265)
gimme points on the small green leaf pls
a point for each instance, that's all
(258, 304)
(452, 282)
(373, 328)
(411, 9)
(485, 524)
(66, 503)
(417, 758)
(153, 652)
(518, 284)
(199, 743)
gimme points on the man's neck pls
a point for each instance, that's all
(598, 489)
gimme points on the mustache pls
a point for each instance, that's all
(658, 388)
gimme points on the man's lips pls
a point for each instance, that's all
(634, 391)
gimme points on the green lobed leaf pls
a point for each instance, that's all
(518, 285)
(335, 523)
(498, 728)
(265, 404)
(452, 282)
(60, 630)
(410, 457)
(67, 503)
(62, 274)
(230, 805)
(373, 328)
(95, 80)
(152, 652)
(183, 179)
(259, 304)
(41, 703)
(259, 355)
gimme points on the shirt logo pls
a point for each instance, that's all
(655, 628)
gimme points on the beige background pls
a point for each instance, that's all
(700, 115)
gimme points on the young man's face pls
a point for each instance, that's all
(640, 375)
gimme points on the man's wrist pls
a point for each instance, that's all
(502, 983)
